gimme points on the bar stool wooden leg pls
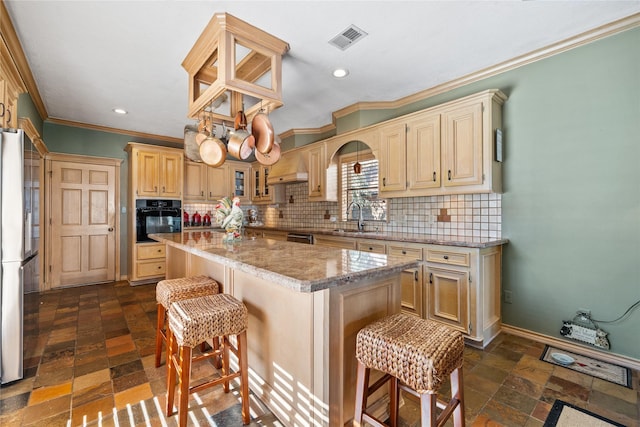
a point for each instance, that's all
(225, 361)
(394, 397)
(171, 373)
(183, 391)
(244, 376)
(457, 393)
(160, 320)
(428, 409)
(362, 383)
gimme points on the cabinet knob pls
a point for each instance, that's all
(434, 176)
(159, 250)
(110, 229)
(202, 193)
(449, 175)
(159, 267)
(404, 252)
(2, 109)
(430, 277)
(446, 257)
(370, 248)
(318, 187)
(384, 182)
(9, 116)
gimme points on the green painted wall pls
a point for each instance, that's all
(571, 207)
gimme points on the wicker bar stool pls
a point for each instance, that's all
(171, 290)
(191, 322)
(416, 355)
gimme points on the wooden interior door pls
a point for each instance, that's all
(82, 223)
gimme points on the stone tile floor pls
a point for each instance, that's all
(89, 361)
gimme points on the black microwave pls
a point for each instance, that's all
(157, 216)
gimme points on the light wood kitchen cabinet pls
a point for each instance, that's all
(261, 191)
(423, 152)
(446, 149)
(156, 171)
(11, 86)
(195, 181)
(373, 246)
(393, 158)
(411, 281)
(240, 175)
(455, 285)
(463, 289)
(323, 182)
(462, 145)
(149, 261)
(202, 183)
(334, 241)
(218, 183)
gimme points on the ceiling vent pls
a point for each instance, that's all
(348, 37)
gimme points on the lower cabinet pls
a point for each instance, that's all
(457, 286)
(412, 300)
(149, 262)
(463, 290)
(334, 241)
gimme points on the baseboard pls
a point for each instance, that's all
(617, 359)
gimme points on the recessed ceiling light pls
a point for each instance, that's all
(340, 73)
(120, 111)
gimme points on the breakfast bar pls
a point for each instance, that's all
(306, 304)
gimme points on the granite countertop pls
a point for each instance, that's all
(431, 239)
(300, 267)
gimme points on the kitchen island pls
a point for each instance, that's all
(306, 304)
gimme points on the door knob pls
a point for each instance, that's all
(110, 228)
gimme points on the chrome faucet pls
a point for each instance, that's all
(360, 219)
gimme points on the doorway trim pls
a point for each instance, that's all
(49, 158)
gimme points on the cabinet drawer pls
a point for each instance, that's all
(150, 269)
(150, 251)
(403, 251)
(378, 248)
(449, 257)
(334, 242)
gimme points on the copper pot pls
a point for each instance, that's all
(213, 152)
(241, 144)
(271, 157)
(262, 131)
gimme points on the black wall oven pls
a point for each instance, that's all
(157, 216)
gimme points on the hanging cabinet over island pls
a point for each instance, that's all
(306, 304)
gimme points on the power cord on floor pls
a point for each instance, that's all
(626, 313)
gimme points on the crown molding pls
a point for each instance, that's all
(115, 130)
(15, 50)
(582, 39)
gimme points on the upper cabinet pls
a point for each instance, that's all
(448, 149)
(240, 173)
(261, 191)
(204, 183)
(156, 171)
(11, 86)
(393, 157)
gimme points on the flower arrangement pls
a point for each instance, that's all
(229, 216)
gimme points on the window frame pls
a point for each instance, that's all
(362, 155)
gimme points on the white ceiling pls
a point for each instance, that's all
(89, 57)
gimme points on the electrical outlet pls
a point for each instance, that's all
(584, 312)
(507, 297)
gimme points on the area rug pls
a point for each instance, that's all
(590, 366)
(564, 414)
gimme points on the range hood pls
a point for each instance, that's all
(289, 169)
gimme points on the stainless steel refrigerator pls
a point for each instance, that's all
(19, 236)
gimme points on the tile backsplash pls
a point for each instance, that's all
(464, 215)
